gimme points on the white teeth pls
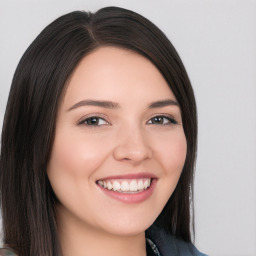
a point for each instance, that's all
(146, 183)
(109, 184)
(116, 186)
(133, 186)
(127, 186)
(140, 185)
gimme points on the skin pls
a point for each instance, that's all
(125, 140)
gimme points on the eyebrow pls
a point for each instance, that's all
(114, 105)
(163, 103)
(97, 103)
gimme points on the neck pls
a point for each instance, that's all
(80, 239)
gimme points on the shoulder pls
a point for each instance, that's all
(167, 243)
(6, 252)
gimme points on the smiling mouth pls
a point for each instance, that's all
(126, 185)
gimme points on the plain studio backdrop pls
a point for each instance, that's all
(217, 43)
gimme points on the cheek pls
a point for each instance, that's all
(170, 155)
(173, 154)
(72, 165)
(76, 156)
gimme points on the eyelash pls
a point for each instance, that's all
(171, 121)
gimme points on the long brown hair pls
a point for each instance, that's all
(27, 199)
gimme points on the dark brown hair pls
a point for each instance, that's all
(27, 199)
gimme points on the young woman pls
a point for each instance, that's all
(99, 142)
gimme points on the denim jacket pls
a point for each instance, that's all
(164, 244)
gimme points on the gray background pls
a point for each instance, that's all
(217, 42)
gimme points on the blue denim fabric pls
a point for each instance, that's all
(168, 245)
(154, 247)
(6, 252)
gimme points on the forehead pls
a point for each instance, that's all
(114, 73)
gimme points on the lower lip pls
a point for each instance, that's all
(131, 197)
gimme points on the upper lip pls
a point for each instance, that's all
(130, 176)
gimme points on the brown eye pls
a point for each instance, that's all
(158, 120)
(94, 121)
(162, 120)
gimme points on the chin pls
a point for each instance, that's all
(128, 231)
(129, 227)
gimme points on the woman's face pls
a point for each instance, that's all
(119, 126)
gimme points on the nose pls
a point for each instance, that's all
(132, 146)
